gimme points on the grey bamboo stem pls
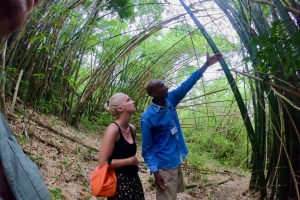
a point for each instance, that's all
(288, 8)
(267, 83)
(2, 75)
(16, 91)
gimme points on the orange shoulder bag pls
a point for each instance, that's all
(103, 181)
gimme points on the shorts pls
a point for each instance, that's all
(174, 180)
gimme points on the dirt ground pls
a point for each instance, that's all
(66, 157)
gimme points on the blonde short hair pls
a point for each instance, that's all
(113, 104)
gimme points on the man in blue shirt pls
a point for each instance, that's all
(163, 145)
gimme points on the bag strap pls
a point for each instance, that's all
(110, 158)
(131, 133)
(121, 131)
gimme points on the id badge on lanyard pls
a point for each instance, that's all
(173, 130)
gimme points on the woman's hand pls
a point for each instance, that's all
(133, 160)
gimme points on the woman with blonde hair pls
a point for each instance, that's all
(118, 148)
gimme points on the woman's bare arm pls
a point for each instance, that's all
(111, 136)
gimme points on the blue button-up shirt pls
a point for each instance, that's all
(163, 143)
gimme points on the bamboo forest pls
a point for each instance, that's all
(71, 56)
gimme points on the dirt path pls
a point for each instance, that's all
(66, 165)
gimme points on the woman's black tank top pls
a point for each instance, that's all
(122, 150)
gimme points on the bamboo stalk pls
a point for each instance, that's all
(205, 103)
(288, 8)
(209, 93)
(236, 114)
(12, 108)
(267, 83)
(2, 75)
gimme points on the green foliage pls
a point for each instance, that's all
(79, 172)
(124, 8)
(222, 148)
(38, 160)
(48, 106)
(90, 125)
(22, 139)
(196, 176)
(11, 75)
(277, 52)
(148, 11)
(97, 123)
(193, 159)
(213, 127)
(105, 118)
(56, 194)
(207, 148)
(77, 150)
(66, 162)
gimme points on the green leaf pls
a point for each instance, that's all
(39, 75)
(294, 54)
(246, 59)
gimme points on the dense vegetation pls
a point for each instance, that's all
(73, 55)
